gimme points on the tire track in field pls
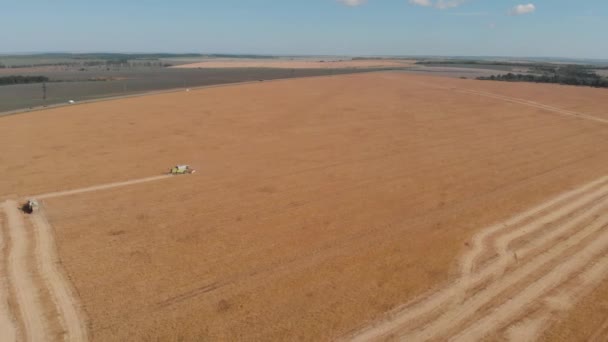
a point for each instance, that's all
(563, 272)
(20, 277)
(559, 219)
(517, 101)
(31, 314)
(533, 104)
(566, 239)
(479, 240)
(100, 187)
(70, 315)
(600, 333)
(8, 331)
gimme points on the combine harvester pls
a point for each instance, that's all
(30, 206)
(181, 170)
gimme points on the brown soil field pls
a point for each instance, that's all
(297, 64)
(322, 208)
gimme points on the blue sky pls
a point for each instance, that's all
(548, 28)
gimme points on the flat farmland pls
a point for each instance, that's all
(322, 208)
(69, 83)
(283, 63)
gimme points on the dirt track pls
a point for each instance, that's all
(71, 316)
(20, 276)
(519, 101)
(32, 315)
(516, 281)
(8, 331)
(601, 333)
(100, 187)
(534, 104)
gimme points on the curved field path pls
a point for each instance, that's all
(20, 276)
(8, 331)
(533, 104)
(28, 294)
(515, 291)
(59, 287)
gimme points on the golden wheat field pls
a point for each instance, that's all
(373, 206)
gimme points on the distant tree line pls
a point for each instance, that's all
(111, 63)
(8, 80)
(107, 60)
(535, 66)
(225, 55)
(18, 66)
(376, 58)
(479, 62)
(126, 56)
(568, 74)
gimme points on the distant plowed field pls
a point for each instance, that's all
(296, 64)
(369, 206)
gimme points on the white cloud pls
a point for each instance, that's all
(440, 4)
(352, 3)
(424, 3)
(522, 9)
(445, 4)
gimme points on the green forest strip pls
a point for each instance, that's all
(533, 65)
(90, 59)
(568, 75)
(9, 80)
